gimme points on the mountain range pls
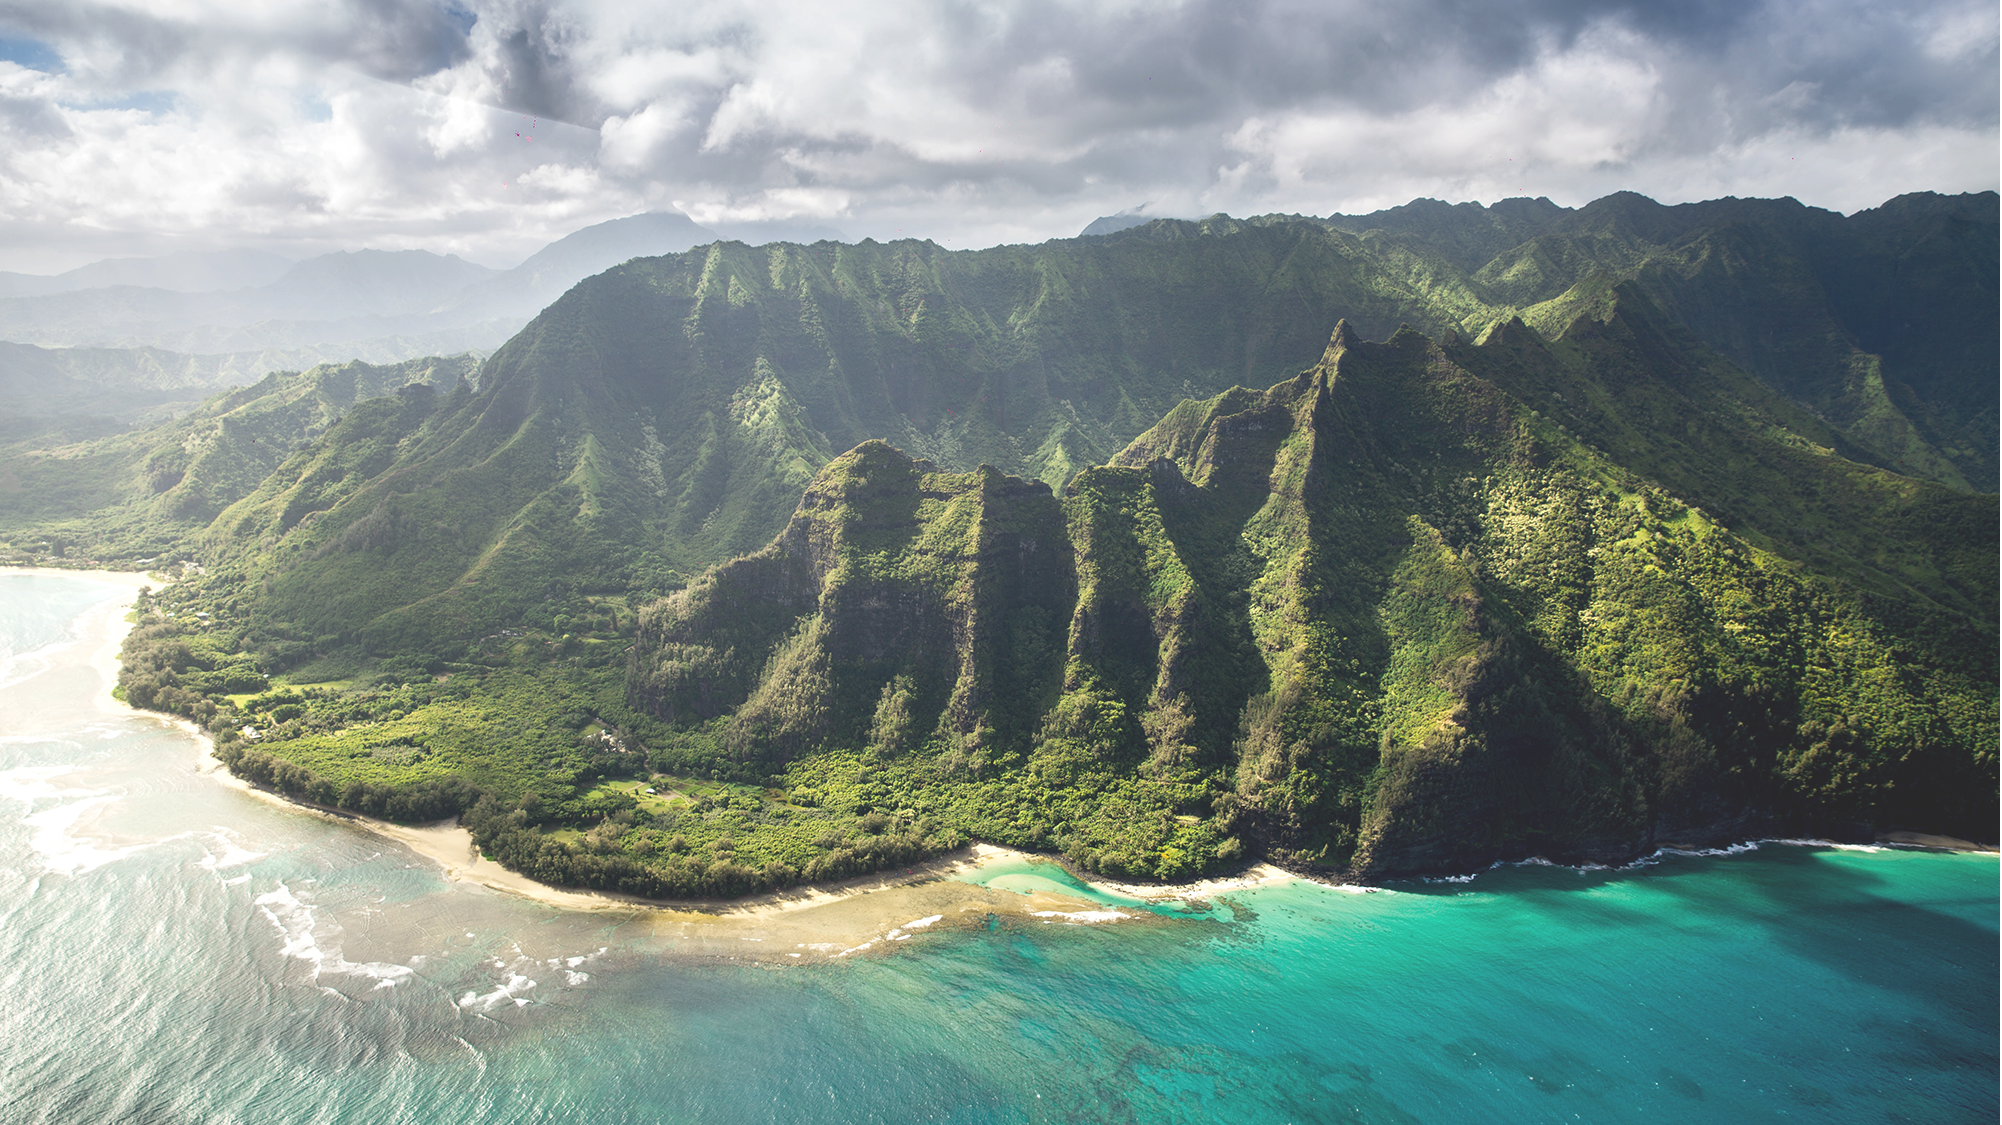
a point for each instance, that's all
(138, 339)
(1382, 545)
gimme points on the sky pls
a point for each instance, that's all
(487, 128)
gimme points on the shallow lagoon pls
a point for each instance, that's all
(175, 950)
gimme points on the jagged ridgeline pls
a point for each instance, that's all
(663, 416)
(1383, 617)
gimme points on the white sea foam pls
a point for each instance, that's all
(1081, 917)
(31, 783)
(301, 934)
(1729, 849)
(52, 830)
(1825, 844)
(514, 989)
(231, 855)
(898, 934)
(1655, 857)
(19, 667)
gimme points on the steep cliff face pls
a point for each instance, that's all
(1382, 618)
(1398, 717)
(899, 604)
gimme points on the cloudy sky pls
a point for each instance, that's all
(488, 127)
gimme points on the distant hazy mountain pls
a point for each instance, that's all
(147, 385)
(378, 294)
(129, 320)
(367, 283)
(190, 271)
(1109, 224)
(331, 287)
(528, 287)
(377, 339)
(249, 286)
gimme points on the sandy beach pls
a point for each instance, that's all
(805, 923)
(131, 578)
(1928, 840)
(103, 627)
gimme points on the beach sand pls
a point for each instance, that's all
(807, 923)
(1928, 840)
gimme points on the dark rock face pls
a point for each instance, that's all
(890, 577)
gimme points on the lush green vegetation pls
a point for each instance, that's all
(1882, 322)
(1665, 527)
(83, 490)
(1383, 617)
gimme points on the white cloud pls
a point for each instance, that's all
(308, 125)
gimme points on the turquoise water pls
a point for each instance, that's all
(174, 950)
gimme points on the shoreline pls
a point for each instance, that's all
(855, 913)
(1932, 842)
(133, 578)
(862, 907)
(100, 630)
(450, 846)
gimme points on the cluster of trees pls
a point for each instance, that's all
(507, 836)
(416, 802)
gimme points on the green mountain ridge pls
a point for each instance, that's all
(724, 377)
(1588, 553)
(1881, 321)
(1302, 613)
(134, 494)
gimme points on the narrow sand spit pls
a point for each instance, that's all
(1928, 840)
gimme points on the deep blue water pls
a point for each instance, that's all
(172, 949)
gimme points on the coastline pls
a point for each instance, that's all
(817, 921)
(134, 578)
(102, 628)
(811, 921)
(1928, 840)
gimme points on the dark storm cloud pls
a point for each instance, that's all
(1199, 63)
(388, 39)
(23, 119)
(1215, 58)
(535, 75)
(399, 41)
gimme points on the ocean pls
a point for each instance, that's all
(173, 949)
